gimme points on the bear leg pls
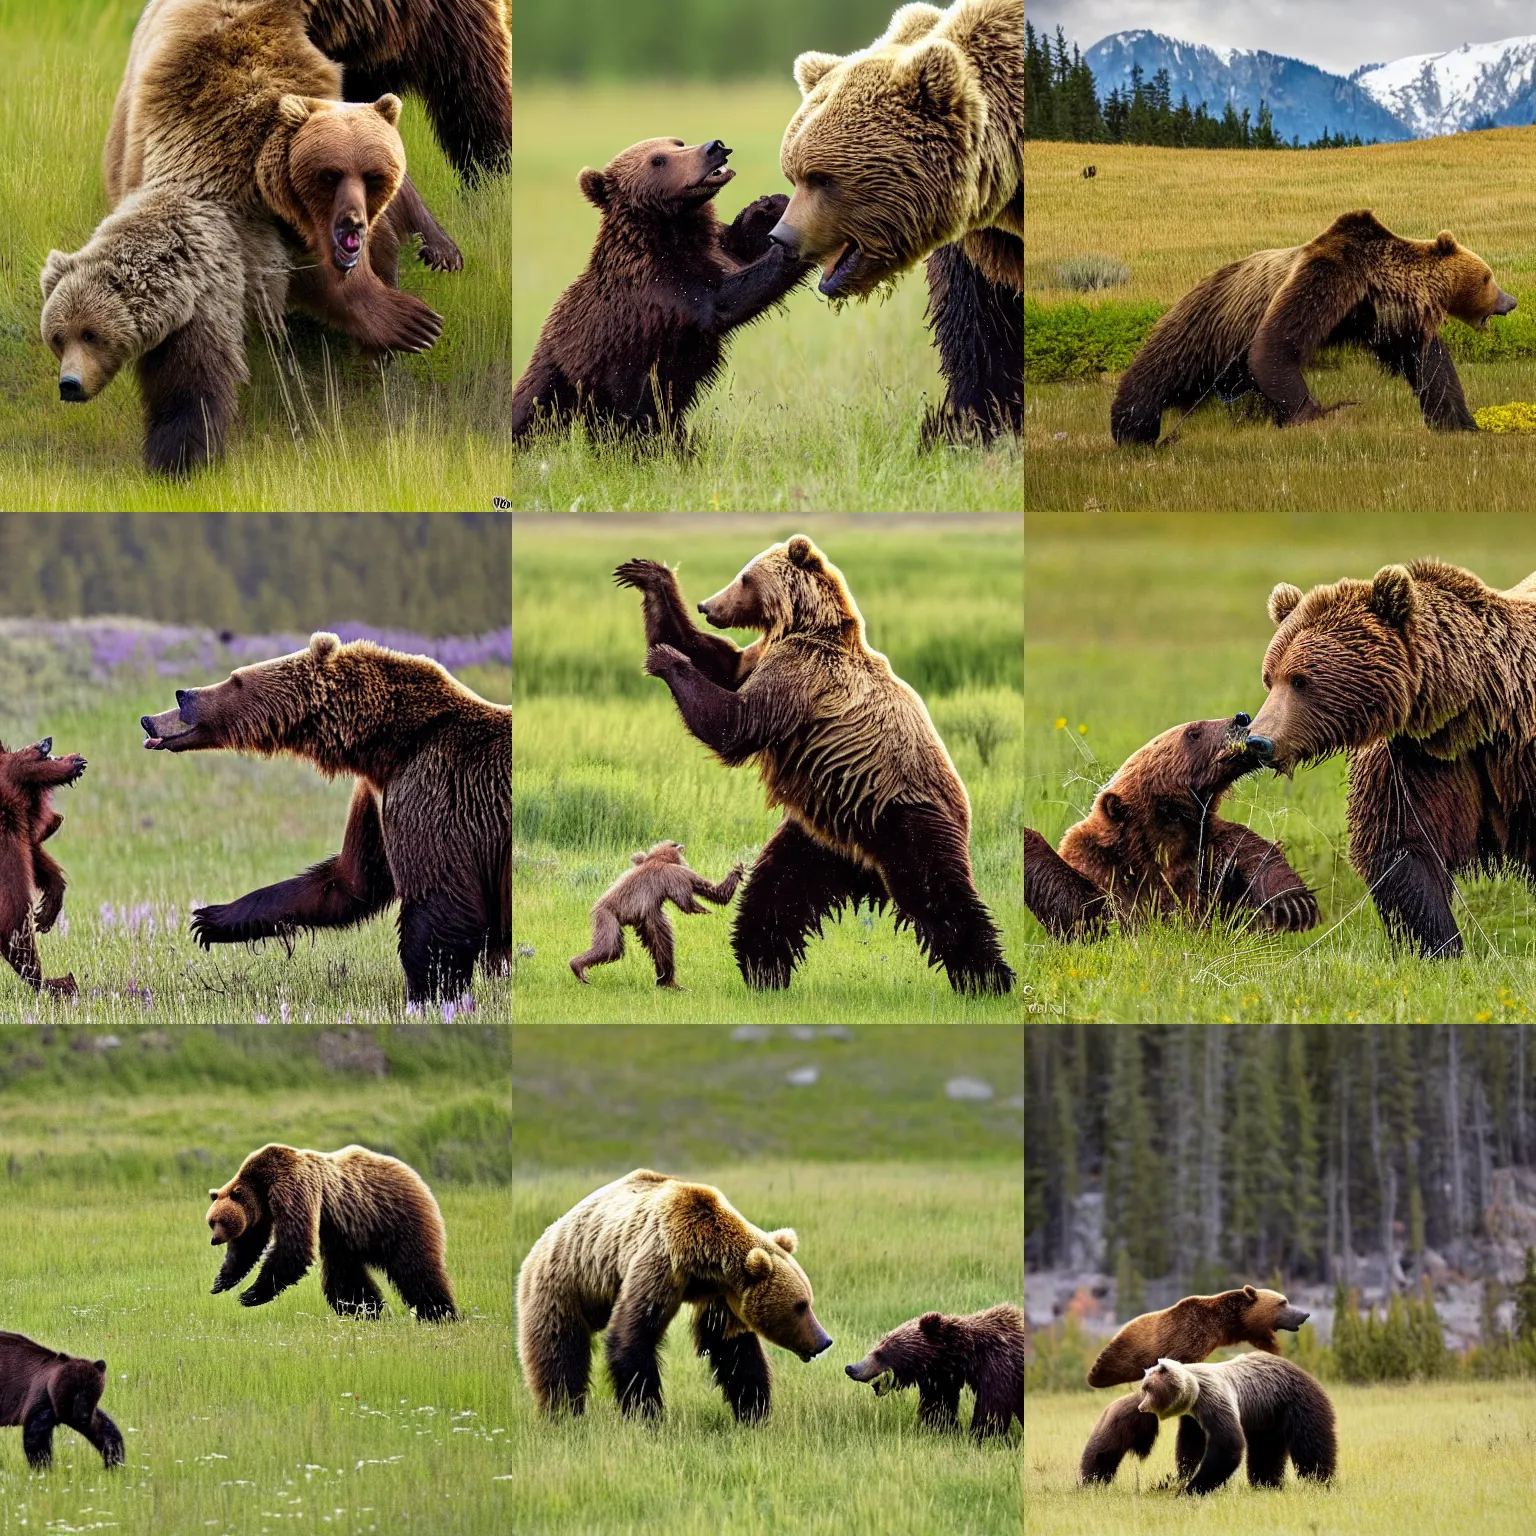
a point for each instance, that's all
(423, 1285)
(978, 326)
(607, 944)
(736, 1361)
(554, 1344)
(938, 1404)
(345, 1279)
(646, 1304)
(1431, 375)
(1123, 1429)
(16, 922)
(795, 884)
(409, 215)
(188, 387)
(37, 1433)
(1189, 1448)
(542, 397)
(441, 937)
(49, 879)
(1066, 904)
(1266, 1459)
(655, 934)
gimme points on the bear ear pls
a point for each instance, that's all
(931, 1323)
(637, 858)
(1391, 598)
(812, 68)
(786, 1239)
(1445, 243)
(759, 1266)
(937, 74)
(1112, 805)
(58, 266)
(388, 107)
(1282, 600)
(213, 1194)
(101, 1365)
(1250, 1293)
(802, 553)
(593, 187)
(294, 111)
(323, 644)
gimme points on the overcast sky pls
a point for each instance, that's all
(1329, 33)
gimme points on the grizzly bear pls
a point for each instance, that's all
(28, 778)
(629, 345)
(912, 146)
(874, 810)
(625, 1259)
(637, 899)
(1425, 677)
(1255, 324)
(1154, 845)
(1188, 1331)
(1268, 1407)
(42, 1388)
(362, 1209)
(431, 817)
(939, 1355)
(456, 54)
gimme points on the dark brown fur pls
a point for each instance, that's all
(1187, 1331)
(940, 1355)
(27, 872)
(1426, 677)
(1256, 324)
(874, 810)
(431, 817)
(1154, 845)
(637, 900)
(363, 1210)
(629, 345)
(42, 1388)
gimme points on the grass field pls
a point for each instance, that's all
(1137, 622)
(1174, 216)
(1446, 1457)
(813, 411)
(277, 1418)
(146, 835)
(603, 765)
(930, 1215)
(320, 428)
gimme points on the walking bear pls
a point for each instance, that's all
(42, 1388)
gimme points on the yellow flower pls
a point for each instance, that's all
(1061, 722)
(1082, 730)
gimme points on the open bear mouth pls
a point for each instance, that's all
(707, 186)
(348, 242)
(839, 268)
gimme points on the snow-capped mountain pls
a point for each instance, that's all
(1487, 84)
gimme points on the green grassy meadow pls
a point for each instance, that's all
(241, 1421)
(813, 410)
(1175, 215)
(926, 1213)
(1138, 622)
(145, 835)
(603, 765)
(320, 426)
(1441, 1457)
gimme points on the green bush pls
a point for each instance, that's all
(1057, 1358)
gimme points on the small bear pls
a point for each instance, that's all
(42, 1388)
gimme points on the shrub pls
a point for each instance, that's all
(1092, 274)
(1074, 341)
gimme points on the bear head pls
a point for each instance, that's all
(774, 1298)
(1167, 1390)
(791, 588)
(76, 1387)
(1256, 1314)
(663, 853)
(884, 153)
(330, 169)
(87, 323)
(659, 177)
(1341, 669)
(235, 1210)
(1467, 287)
(927, 1349)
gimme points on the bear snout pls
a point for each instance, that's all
(71, 389)
(782, 234)
(1505, 303)
(1262, 748)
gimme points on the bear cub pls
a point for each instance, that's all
(629, 345)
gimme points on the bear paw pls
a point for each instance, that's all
(77, 766)
(441, 254)
(755, 220)
(644, 575)
(1291, 912)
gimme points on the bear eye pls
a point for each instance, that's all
(88, 337)
(658, 161)
(1192, 734)
(58, 342)
(801, 1307)
(1299, 682)
(818, 179)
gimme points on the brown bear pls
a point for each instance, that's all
(1189, 1330)
(1154, 845)
(431, 817)
(1267, 1407)
(42, 1388)
(28, 873)
(1425, 677)
(939, 1355)
(363, 1210)
(874, 809)
(915, 145)
(625, 1259)
(1256, 323)
(456, 54)
(637, 899)
(629, 345)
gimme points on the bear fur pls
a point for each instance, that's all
(915, 146)
(362, 1209)
(1189, 1330)
(939, 1355)
(1259, 1404)
(1153, 845)
(456, 54)
(1425, 676)
(431, 817)
(629, 345)
(28, 872)
(1256, 324)
(625, 1259)
(42, 1388)
(874, 810)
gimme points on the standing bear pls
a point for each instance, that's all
(874, 810)
(42, 1389)
(360, 1208)
(430, 823)
(625, 1259)
(1426, 677)
(915, 146)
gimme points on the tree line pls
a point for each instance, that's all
(1061, 101)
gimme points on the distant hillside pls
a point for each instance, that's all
(1479, 85)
